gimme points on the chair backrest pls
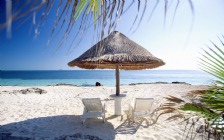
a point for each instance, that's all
(143, 104)
(92, 104)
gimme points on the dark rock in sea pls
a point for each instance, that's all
(98, 84)
(132, 84)
(176, 82)
(64, 84)
(149, 83)
(87, 85)
(78, 136)
(160, 82)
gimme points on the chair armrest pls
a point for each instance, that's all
(84, 110)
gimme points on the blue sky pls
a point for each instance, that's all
(178, 44)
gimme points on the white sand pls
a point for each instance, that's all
(57, 112)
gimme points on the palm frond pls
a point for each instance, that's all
(174, 99)
(212, 61)
(175, 117)
(210, 103)
(104, 15)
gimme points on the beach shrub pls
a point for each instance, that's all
(208, 104)
(212, 62)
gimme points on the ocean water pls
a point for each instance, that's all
(105, 77)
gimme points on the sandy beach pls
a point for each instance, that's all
(56, 113)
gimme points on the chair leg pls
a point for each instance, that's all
(133, 118)
(83, 121)
(104, 116)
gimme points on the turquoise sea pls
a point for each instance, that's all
(105, 77)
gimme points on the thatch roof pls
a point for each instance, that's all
(117, 49)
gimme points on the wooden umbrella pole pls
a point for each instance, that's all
(117, 81)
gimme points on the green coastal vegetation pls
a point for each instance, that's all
(207, 105)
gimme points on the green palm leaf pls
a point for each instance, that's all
(212, 61)
(102, 14)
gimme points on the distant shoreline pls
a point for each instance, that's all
(131, 84)
(105, 77)
(110, 70)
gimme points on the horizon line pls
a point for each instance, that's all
(93, 69)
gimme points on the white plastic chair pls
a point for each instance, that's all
(142, 108)
(93, 108)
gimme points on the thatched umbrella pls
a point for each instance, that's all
(117, 52)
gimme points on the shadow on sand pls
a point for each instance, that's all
(130, 127)
(57, 128)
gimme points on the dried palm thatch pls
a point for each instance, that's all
(117, 49)
(117, 52)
